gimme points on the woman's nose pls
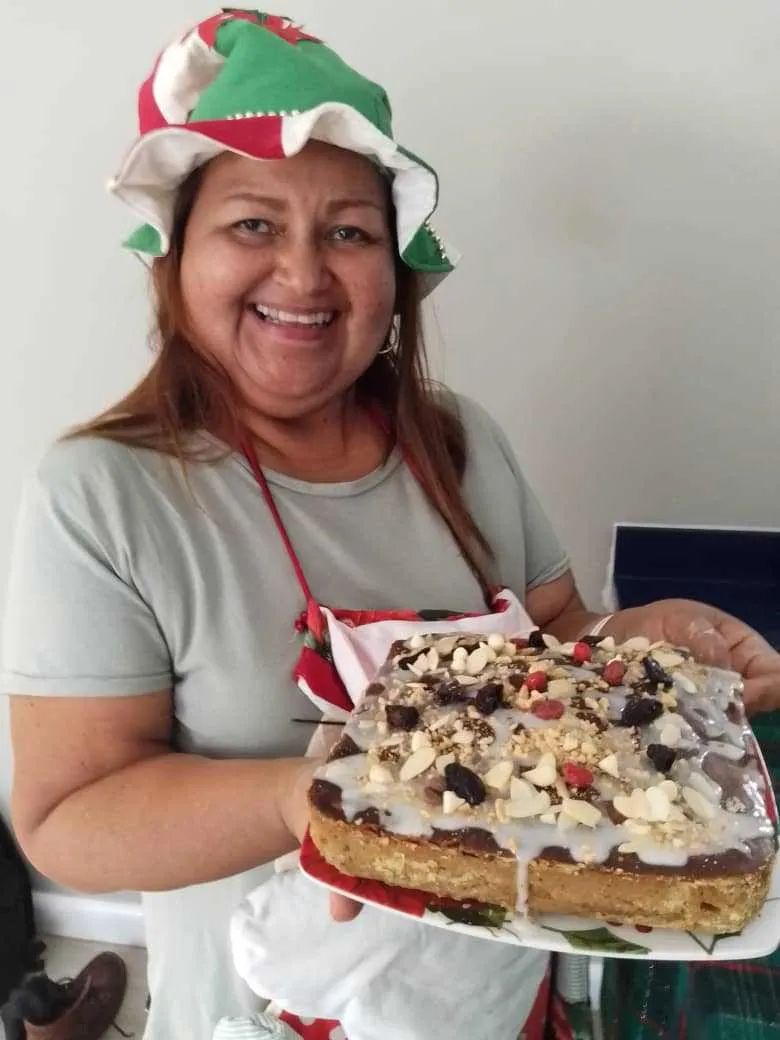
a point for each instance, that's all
(301, 266)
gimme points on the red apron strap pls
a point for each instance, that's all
(314, 619)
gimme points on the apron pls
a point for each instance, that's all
(342, 650)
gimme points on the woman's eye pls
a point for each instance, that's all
(349, 234)
(255, 226)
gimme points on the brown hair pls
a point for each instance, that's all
(186, 391)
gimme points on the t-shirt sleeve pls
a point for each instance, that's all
(74, 624)
(496, 468)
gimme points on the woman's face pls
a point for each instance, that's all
(288, 275)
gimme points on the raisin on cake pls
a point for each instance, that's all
(616, 782)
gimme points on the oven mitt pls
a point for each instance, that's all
(383, 976)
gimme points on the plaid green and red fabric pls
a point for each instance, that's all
(723, 1001)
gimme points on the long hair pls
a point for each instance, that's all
(186, 391)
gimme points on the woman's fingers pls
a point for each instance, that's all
(342, 908)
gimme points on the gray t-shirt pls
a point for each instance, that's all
(125, 579)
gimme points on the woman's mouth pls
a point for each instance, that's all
(310, 320)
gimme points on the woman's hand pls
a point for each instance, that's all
(295, 812)
(714, 637)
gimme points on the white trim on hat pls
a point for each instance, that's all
(186, 68)
(415, 188)
(160, 161)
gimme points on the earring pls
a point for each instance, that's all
(392, 340)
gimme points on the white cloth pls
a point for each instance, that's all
(258, 1027)
(383, 976)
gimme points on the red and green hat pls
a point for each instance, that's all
(257, 85)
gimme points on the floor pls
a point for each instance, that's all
(66, 958)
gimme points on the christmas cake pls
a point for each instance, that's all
(615, 782)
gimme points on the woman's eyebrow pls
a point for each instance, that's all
(334, 206)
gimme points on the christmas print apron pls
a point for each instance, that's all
(342, 651)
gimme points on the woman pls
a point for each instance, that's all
(156, 584)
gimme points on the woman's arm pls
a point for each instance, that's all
(101, 802)
(557, 608)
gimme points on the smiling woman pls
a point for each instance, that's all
(288, 277)
(285, 450)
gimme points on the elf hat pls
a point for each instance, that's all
(257, 85)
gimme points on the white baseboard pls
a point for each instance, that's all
(88, 917)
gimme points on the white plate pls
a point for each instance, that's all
(557, 933)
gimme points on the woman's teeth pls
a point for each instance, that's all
(277, 317)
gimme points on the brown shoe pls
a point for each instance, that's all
(96, 997)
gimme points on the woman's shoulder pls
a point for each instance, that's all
(81, 463)
(479, 425)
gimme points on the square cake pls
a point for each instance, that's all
(615, 782)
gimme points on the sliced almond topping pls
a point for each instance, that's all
(366, 724)
(566, 822)
(496, 642)
(544, 773)
(685, 683)
(466, 680)
(420, 666)
(704, 786)
(638, 643)
(500, 808)
(499, 776)
(550, 641)
(460, 659)
(567, 648)
(583, 812)
(433, 659)
(540, 666)
(668, 659)
(701, 806)
(443, 761)
(379, 774)
(417, 763)
(519, 789)
(548, 817)
(446, 646)
(634, 807)
(450, 802)
(608, 644)
(489, 652)
(570, 742)
(659, 805)
(670, 735)
(670, 789)
(637, 827)
(668, 699)
(534, 806)
(628, 847)
(560, 688)
(588, 748)
(442, 721)
(420, 739)
(609, 765)
(591, 703)
(463, 736)
(417, 643)
(477, 661)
